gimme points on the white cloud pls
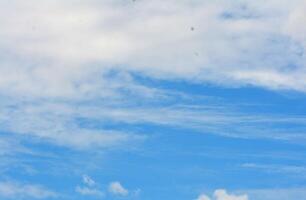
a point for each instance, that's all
(89, 191)
(65, 52)
(88, 180)
(259, 194)
(61, 48)
(56, 123)
(117, 189)
(223, 195)
(203, 197)
(284, 169)
(17, 191)
(277, 194)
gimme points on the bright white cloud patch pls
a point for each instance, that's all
(21, 191)
(117, 189)
(223, 195)
(61, 48)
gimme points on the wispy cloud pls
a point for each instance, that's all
(19, 191)
(86, 53)
(90, 188)
(223, 195)
(65, 62)
(117, 189)
(277, 194)
(86, 191)
(88, 180)
(286, 169)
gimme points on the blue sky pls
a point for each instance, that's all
(184, 100)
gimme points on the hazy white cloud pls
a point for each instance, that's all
(203, 197)
(78, 52)
(63, 48)
(259, 194)
(56, 123)
(284, 169)
(277, 194)
(88, 180)
(86, 191)
(117, 189)
(90, 188)
(223, 195)
(19, 191)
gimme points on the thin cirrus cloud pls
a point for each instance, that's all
(86, 191)
(64, 62)
(13, 190)
(57, 122)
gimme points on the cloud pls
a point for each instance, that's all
(223, 195)
(63, 49)
(88, 180)
(16, 191)
(259, 194)
(284, 169)
(117, 189)
(114, 188)
(59, 57)
(60, 60)
(277, 193)
(89, 189)
(203, 197)
(56, 123)
(86, 191)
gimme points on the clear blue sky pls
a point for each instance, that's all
(152, 100)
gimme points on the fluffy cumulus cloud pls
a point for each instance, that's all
(14, 190)
(116, 188)
(223, 195)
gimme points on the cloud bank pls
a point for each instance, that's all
(70, 54)
(63, 48)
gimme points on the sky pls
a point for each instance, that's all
(152, 100)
